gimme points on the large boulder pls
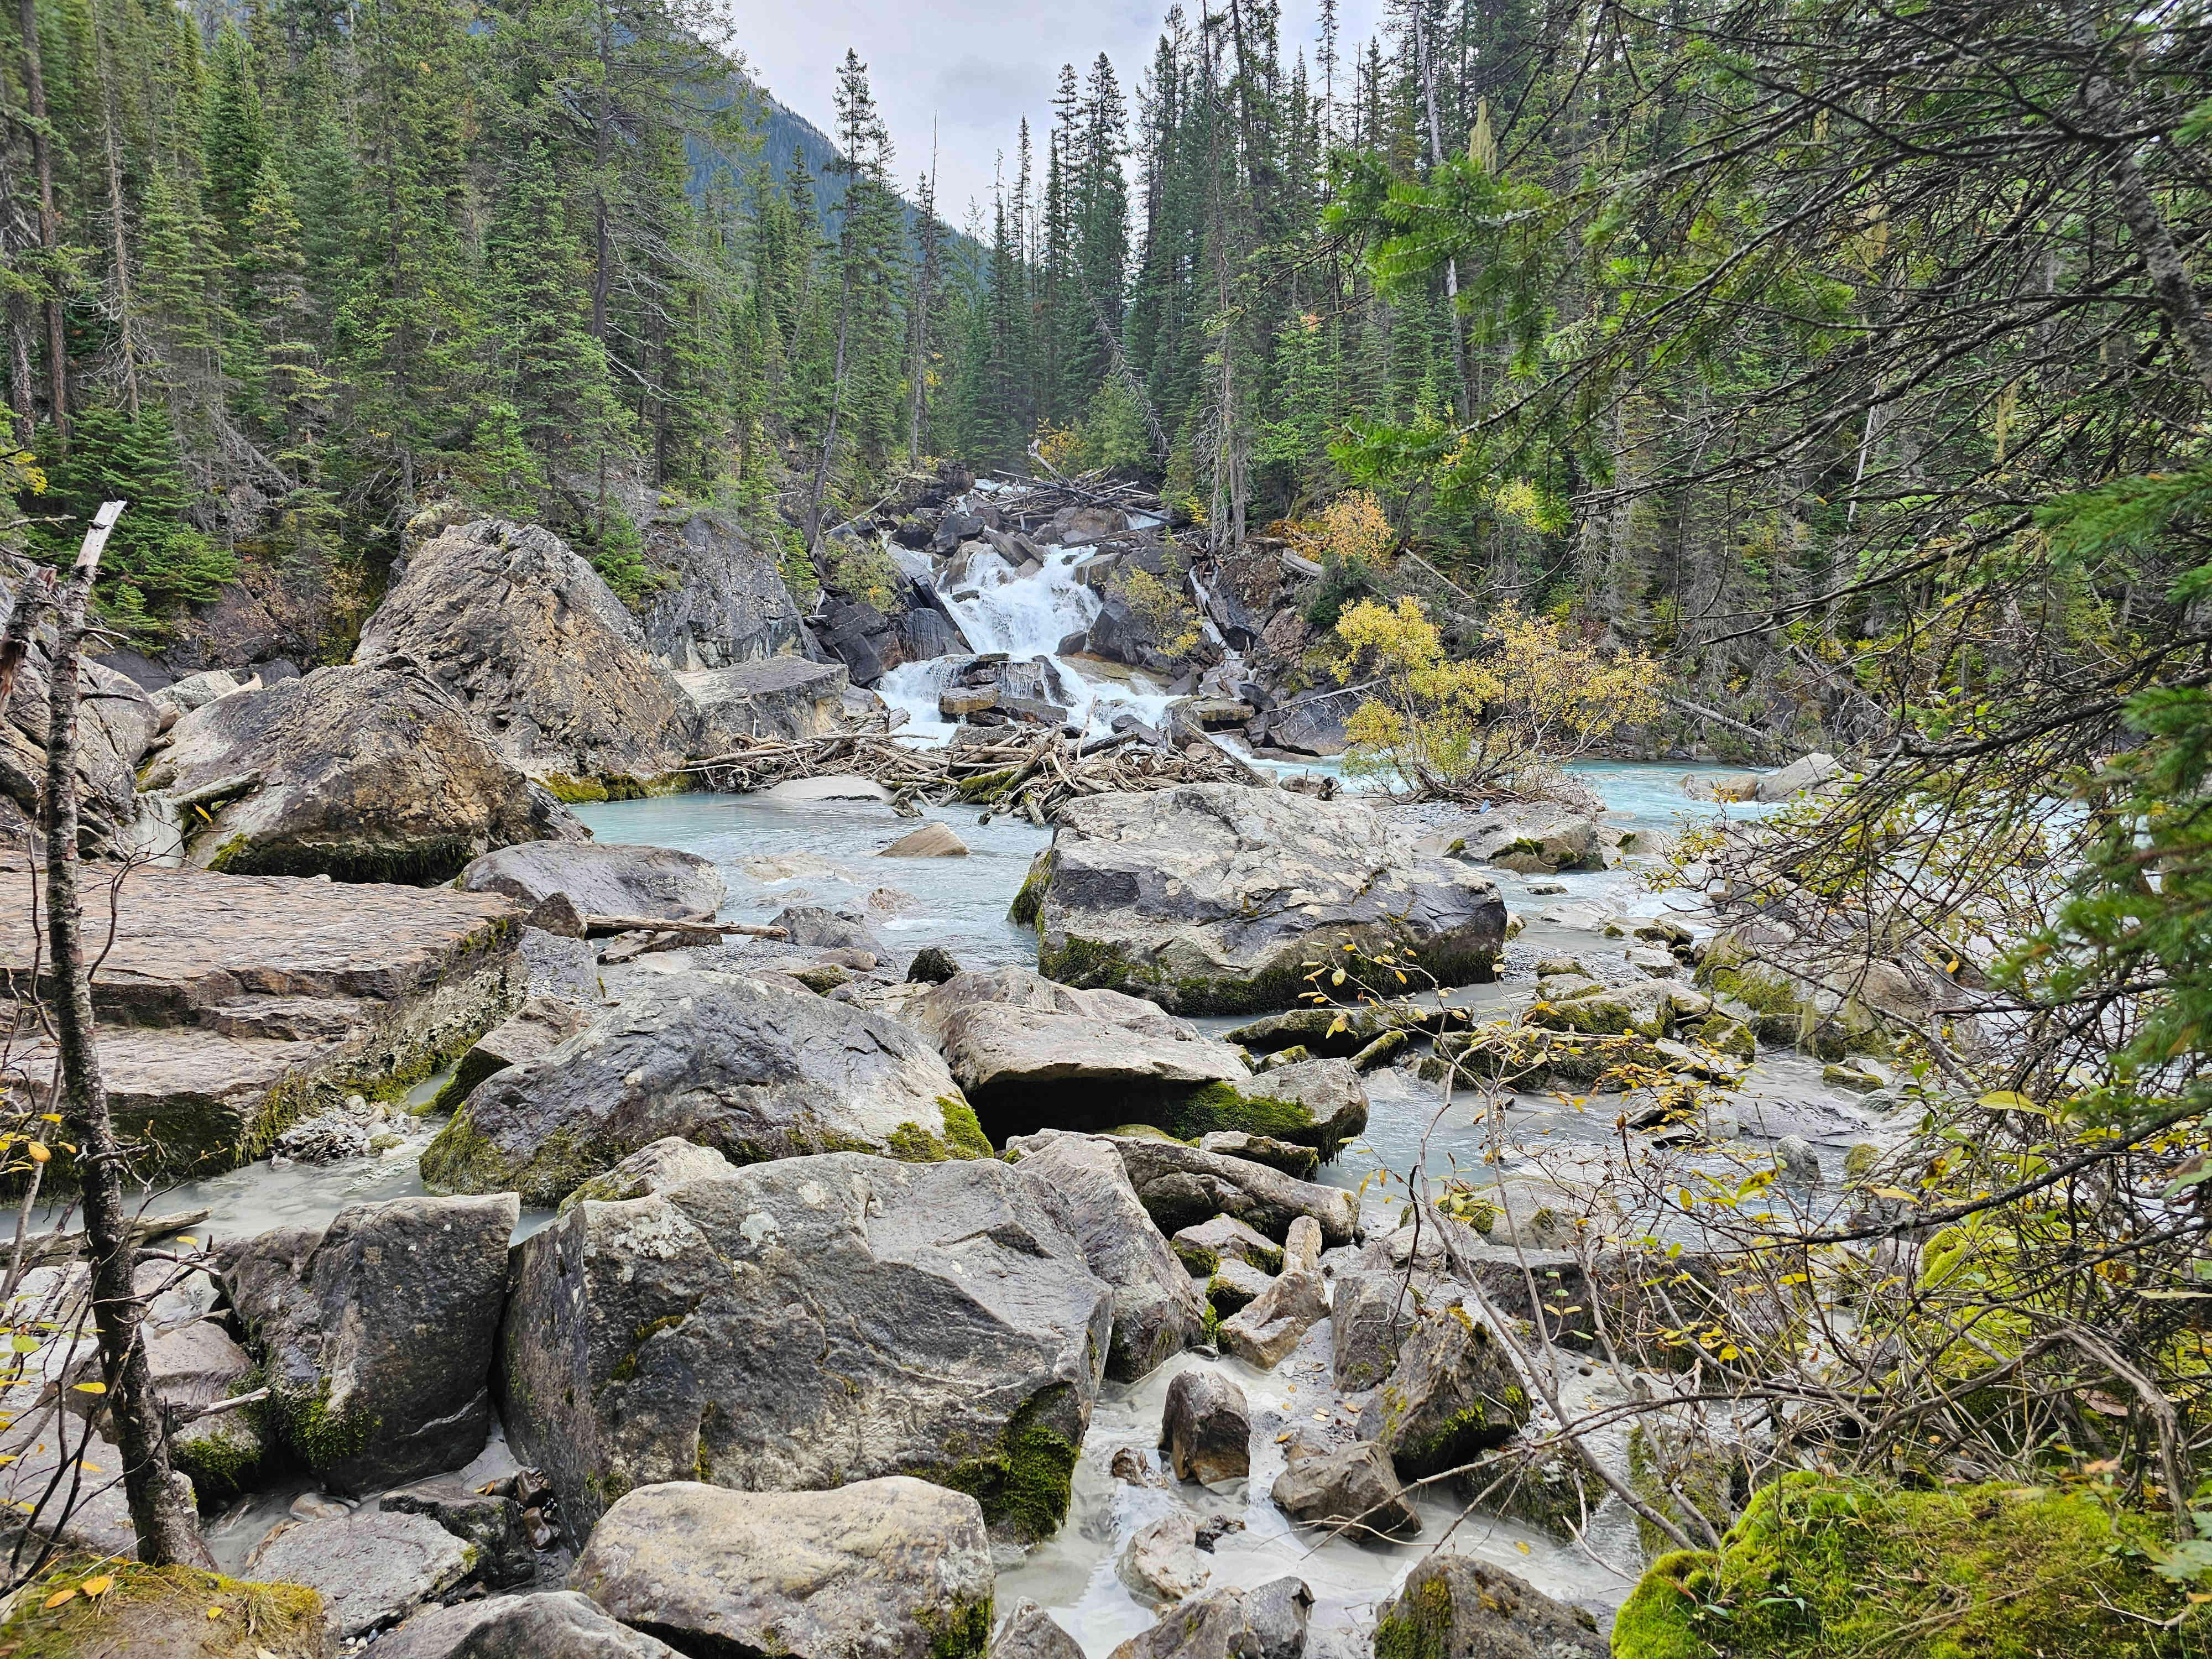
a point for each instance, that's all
(377, 1334)
(1182, 1187)
(1352, 1489)
(1218, 897)
(1812, 771)
(775, 698)
(557, 1625)
(805, 1323)
(535, 644)
(722, 600)
(356, 773)
(754, 1066)
(1206, 1428)
(602, 879)
(1157, 1311)
(887, 1569)
(1453, 1393)
(1455, 1606)
(115, 723)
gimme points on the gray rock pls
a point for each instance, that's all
(566, 968)
(491, 1524)
(1795, 1158)
(377, 1335)
(1300, 1162)
(1533, 838)
(885, 1568)
(1353, 1489)
(1204, 1246)
(1235, 1285)
(1455, 1606)
(558, 1624)
(602, 879)
(1162, 1563)
(1032, 1053)
(1453, 1393)
(1267, 1623)
(776, 697)
(350, 772)
(371, 1568)
(98, 1522)
(664, 1165)
(1334, 1099)
(116, 722)
(1157, 1311)
(1182, 1187)
(724, 602)
(1206, 1428)
(816, 927)
(932, 841)
(1027, 1632)
(1264, 1334)
(534, 644)
(1302, 1246)
(1807, 772)
(806, 1322)
(1371, 1310)
(753, 1066)
(1213, 897)
(535, 1030)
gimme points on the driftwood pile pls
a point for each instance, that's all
(1030, 504)
(1030, 773)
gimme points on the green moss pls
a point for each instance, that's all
(160, 1610)
(573, 791)
(1026, 1480)
(961, 1631)
(1821, 1568)
(1416, 1625)
(323, 1438)
(964, 1138)
(1031, 900)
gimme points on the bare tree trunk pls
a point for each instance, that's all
(168, 1531)
(1451, 262)
(50, 230)
(21, 399)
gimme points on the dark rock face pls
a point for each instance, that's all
(860, 636)
(1372, 1310)
(354, 773)
(1212, 897)
(559, 1624)
(754, 1066)
(796, 1324)
(530, 640)
(1157, 1311)
(377, 1335)
(601, 878)
(231, 1006)
(1453, 1393)
(1206, 1428)
(926, 632)
(773, 697)
(1353, 1489)
(1309, 725)
(726, 601)
(1454, 1607)
(887, 1569)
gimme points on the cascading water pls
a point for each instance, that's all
(999, 609)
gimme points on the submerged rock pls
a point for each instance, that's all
(377, 1334)
(1206, 1427)
(1218, 898)
(753, 1066)
(810, 1320)
(352, 772)
(557, 1625)
(884, 1569)
(1157, 1311)
(1162, 1563)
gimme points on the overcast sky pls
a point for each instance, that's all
(975, 67)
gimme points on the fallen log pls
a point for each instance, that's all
(61, 1246)
(600, 926)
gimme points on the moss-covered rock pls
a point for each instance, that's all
(121, 1610)
(1821, 1568)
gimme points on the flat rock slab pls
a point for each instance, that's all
(373, 1567)
(231, 1006)
(889, 1569)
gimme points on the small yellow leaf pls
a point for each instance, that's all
(1337, 978)
(90, 1388)
(215, 1613)
(1897, 1192)
(58, 1597)
(99, 1586)
(38, 1153)
(1520, 1546)
(50, 1117)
